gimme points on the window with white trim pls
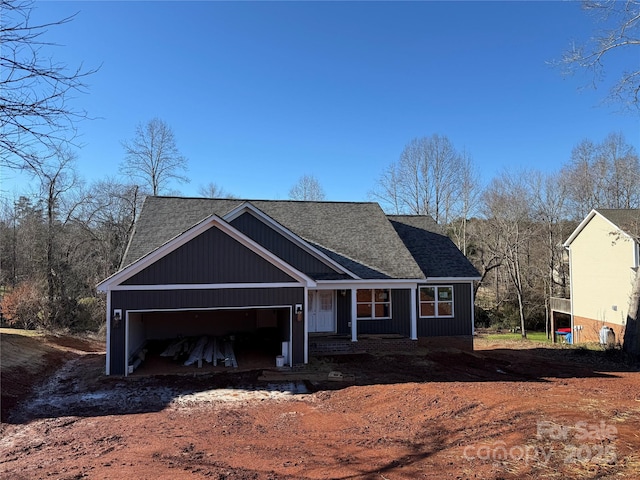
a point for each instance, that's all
(436, 301)
(373, 303)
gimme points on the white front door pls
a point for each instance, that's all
(321, 311)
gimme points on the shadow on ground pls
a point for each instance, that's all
(80, 388)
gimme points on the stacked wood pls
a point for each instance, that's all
(202, 349)
(229, 355)
(197, 353)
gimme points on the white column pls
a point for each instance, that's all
(306, 329)
(354, 316)
(414, 320)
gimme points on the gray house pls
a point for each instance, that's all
(285, 273)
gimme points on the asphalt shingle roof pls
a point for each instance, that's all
(442, 258)
(357, 235)
(627, 219)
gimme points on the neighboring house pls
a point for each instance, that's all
(604, 255)
(284, 271)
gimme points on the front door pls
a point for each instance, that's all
(321, 311)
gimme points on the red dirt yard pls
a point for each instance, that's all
(508, 410)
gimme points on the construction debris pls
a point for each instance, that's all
(197, 350)
(336, 376)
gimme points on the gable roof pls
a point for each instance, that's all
(212, 221)
(442, 258)
(627, 220)
(355, 235)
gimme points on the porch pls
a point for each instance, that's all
(336, 344)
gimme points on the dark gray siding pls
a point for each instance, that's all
(211, 257)
(400, 323)
(343, 312)
(273, 241)
(460, 324)
(200, 299)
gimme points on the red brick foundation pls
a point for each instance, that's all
(383, 343)
(591, 330)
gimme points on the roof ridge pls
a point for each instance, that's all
(270, 200)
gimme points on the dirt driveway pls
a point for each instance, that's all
(507, 410)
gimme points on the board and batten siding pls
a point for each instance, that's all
(460, 324)
(399, 323)
(150, 300)
(211, 257)
(282, 247)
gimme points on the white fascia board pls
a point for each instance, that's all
(439, 280)
(181, 239)
(367, 283)
(207, 286)
(584, 223)
(249, 207)
(389, 282)
(579, 228)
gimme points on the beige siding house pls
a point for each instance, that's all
(603, 259)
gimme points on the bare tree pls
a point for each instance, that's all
(602, 175)
(548, 202)
(388, 190)
(307, 188)
(631, 343)
(213, 190)
(57, 178)
(36, 115)
(106, 219)
(467, 204)
(426, 179)
(507, 201)
(20, 252)
(152, 157)
(618, 35)
(623, 168)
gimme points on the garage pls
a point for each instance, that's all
(175, 341)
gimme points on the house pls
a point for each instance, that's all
(604, 255)
(285, 272)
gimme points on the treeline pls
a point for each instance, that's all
(513, 228)
(58, 243)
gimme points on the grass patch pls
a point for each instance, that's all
(20, 331)
(531, 337)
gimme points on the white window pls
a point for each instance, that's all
(374, 303)
(436, 301)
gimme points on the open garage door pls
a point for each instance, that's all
(256, 336)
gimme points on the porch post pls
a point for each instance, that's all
(354, 316)
(414, 321)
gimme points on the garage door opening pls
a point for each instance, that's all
(256, 337)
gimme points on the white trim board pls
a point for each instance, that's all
(205, 286)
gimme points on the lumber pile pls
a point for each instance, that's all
(196, 350)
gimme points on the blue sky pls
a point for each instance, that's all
(259, 94)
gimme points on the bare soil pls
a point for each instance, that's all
(507, 410)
